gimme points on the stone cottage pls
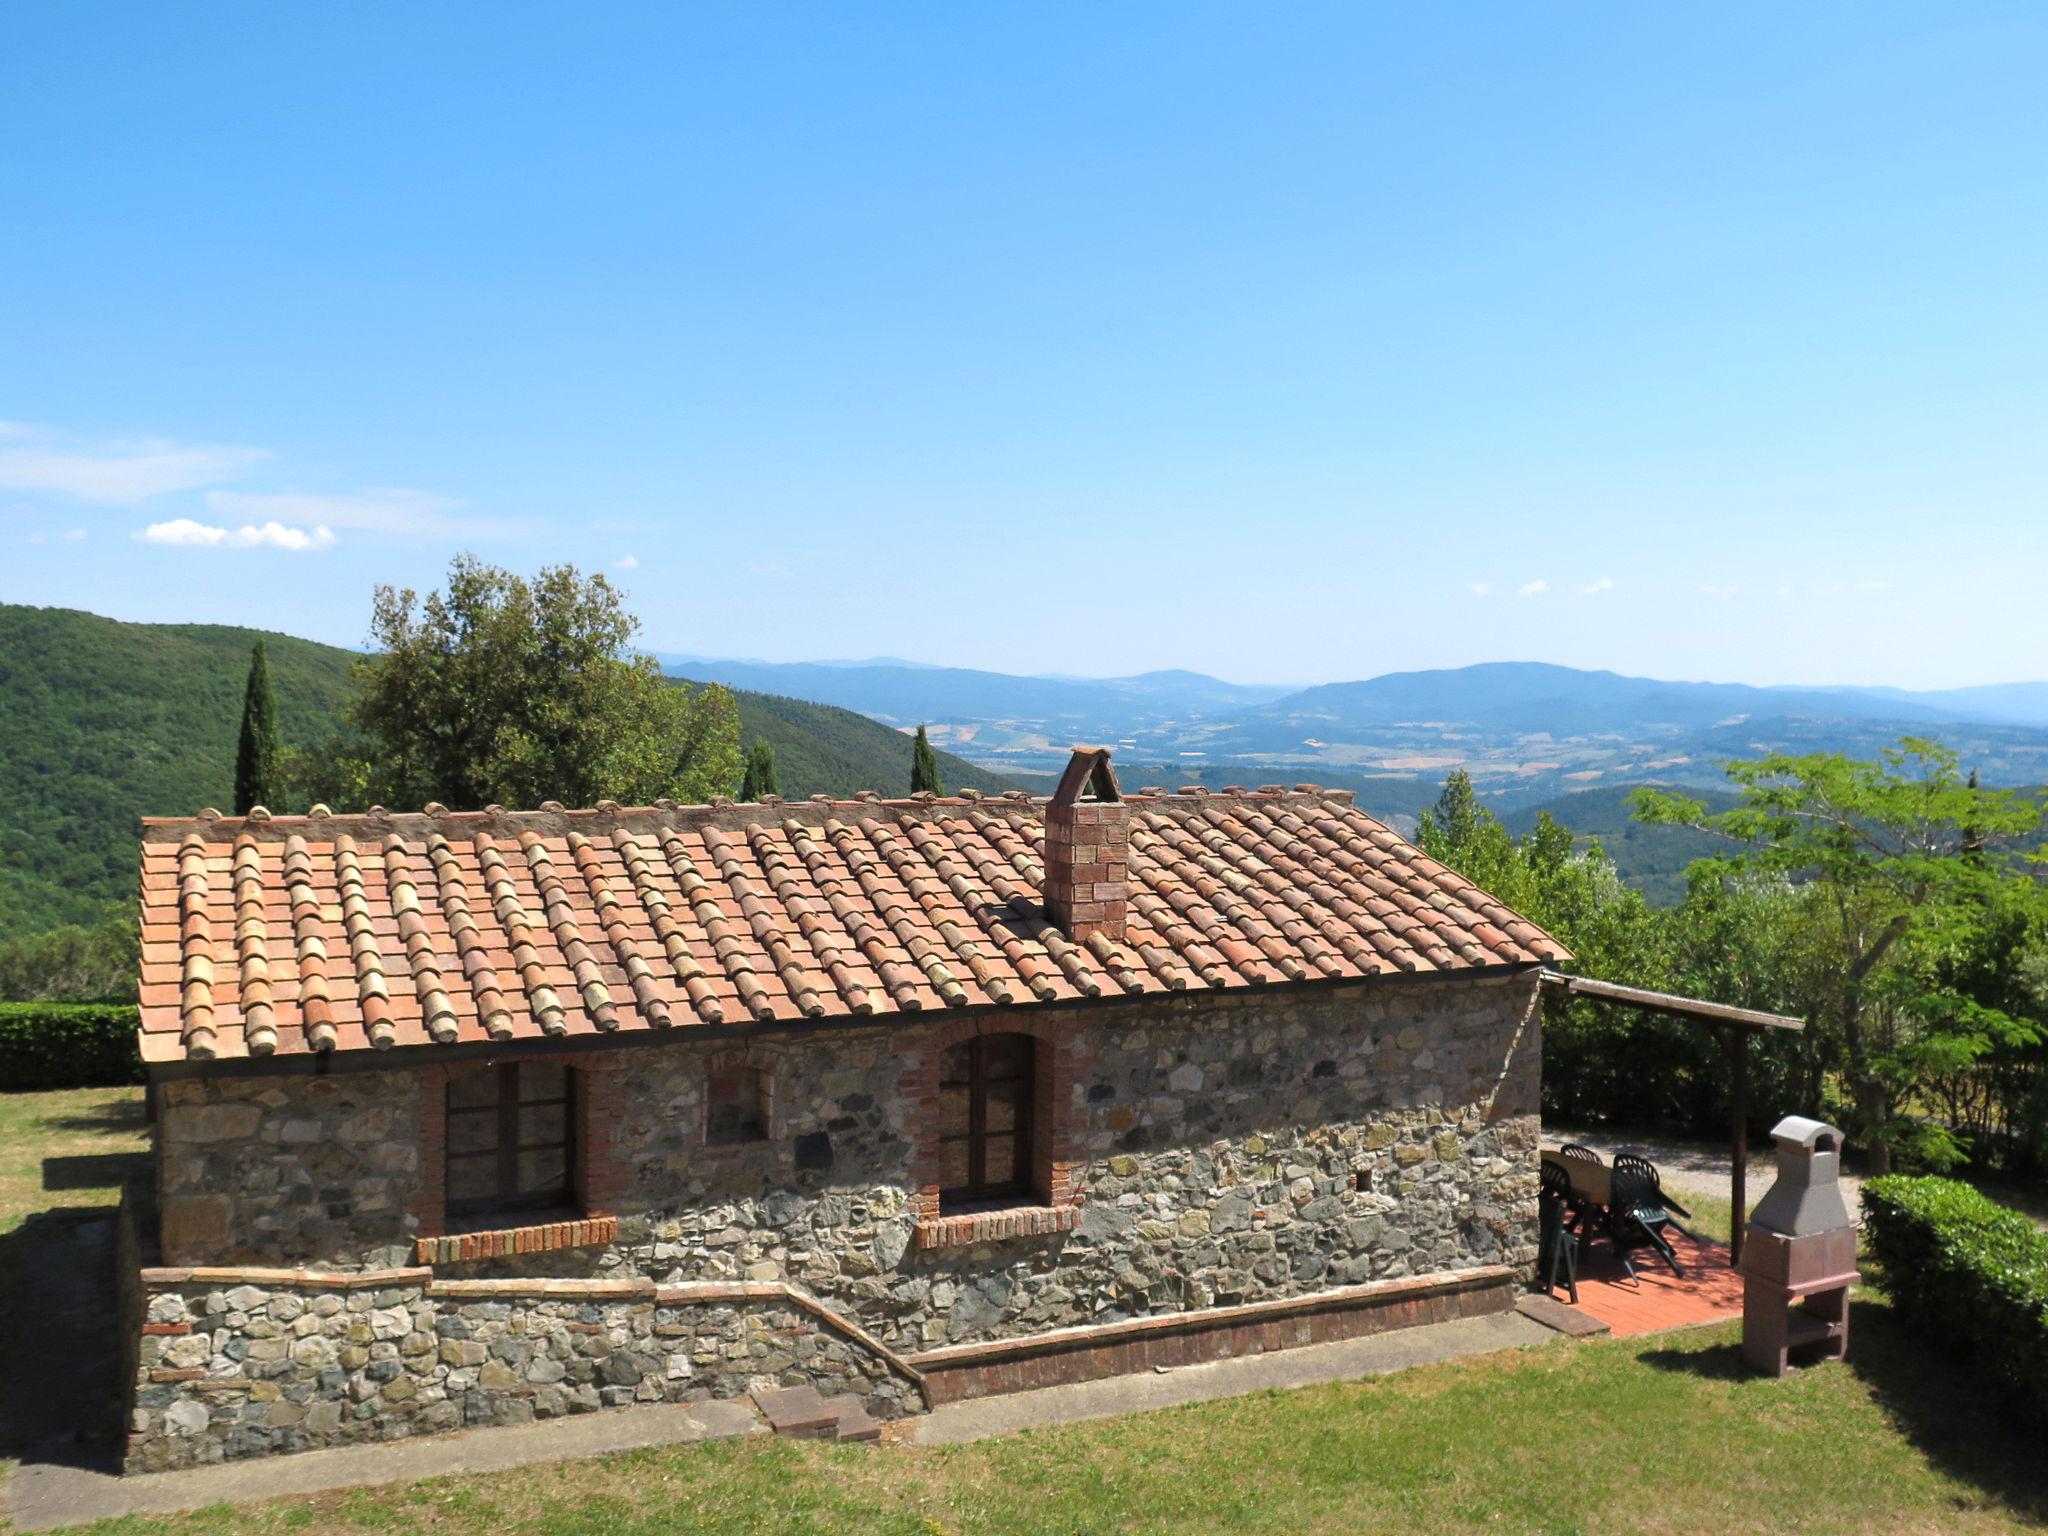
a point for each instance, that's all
(472, 1118)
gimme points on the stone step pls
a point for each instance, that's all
(1552, 1312)
(799, 1412)
(855, 1422)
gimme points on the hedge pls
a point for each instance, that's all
(1970, 1272)
(67, 1045)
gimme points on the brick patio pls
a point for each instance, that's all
(1657, 1299)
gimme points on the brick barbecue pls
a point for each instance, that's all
(1800, 1260)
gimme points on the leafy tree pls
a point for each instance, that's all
(73, 963)
(760, 778)
(1906, 868)
(338, 773)
(1600, 1062)
(924, 767)
(509, 691)
(257, 780)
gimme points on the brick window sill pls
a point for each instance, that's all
(998, 1225)
(508, 1242)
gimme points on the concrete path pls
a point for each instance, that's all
(43, 1496)
(955, 1423)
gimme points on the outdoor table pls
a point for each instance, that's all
(1592, 1182)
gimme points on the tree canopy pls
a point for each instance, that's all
(509, 691)
(1907, 882)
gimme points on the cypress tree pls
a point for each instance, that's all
(760, 775)
(924, 767)
(256, 757)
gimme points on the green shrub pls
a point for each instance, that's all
(1970, 1272)
(67, 1045)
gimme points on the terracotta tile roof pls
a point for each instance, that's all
(298, 934)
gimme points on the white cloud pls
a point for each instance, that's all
(770, 570)
(1594, 588)
(1534, 588)
(380, 509)
(68, 536)
(1872, 586)
(184, 533)
(1481, 589)
(114, 471)
(628, 563)
(1712, 590)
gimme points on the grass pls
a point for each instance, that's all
(1659, 1434)
(67, 1149)
(1664, 1434)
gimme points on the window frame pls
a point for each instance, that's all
(979, 1194)
(509, 1200)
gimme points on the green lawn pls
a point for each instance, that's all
(66, 1150)
(1659, 1435)
(1665, 1434)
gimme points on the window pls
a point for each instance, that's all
(985, 1099)
(736, 1107)
(511, 1140)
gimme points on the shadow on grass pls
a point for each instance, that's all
(60, 1397)
(1723, 1362)
(93, 1170)
(1929, 1391)
(119, 1115)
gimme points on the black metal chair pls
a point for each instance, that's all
(1582, 1153)
(1636, 1214)
(1557, 1230)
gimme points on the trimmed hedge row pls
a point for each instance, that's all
(1971, 1272)
(67, 1045)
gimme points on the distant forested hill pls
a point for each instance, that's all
(102, 722)
(105, 722)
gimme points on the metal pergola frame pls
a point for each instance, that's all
(1732, 1027)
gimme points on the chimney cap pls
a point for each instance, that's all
(1088, 769)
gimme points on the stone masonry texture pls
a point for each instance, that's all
(251, 1370)
(1219, 1150)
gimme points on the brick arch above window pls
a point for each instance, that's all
(1054, 1197)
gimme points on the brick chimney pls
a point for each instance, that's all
(1086, 848)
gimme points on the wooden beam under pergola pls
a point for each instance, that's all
(1732, 1027)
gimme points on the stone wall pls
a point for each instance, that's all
(279, 1362)
(289, 1170)
(1222, 1150)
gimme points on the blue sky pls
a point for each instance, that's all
(1292, 343)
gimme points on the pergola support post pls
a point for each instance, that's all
(1735, 1042)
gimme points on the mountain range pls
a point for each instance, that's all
(106, 721)
(1526, 731)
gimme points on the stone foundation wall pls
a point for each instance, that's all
(1221, 1150)
(246, 1364)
